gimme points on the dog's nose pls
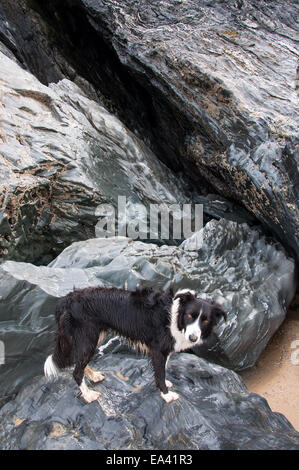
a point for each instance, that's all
(193, 338)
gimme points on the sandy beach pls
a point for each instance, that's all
(276, 374)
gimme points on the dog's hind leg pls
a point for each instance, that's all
(84, 353)
(88, 395)
(96, 376)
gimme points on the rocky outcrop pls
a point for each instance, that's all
(210, 87)
(214, 411)
(225, 261)
(61, 156)
(208, 93)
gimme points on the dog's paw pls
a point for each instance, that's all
(97, 377)
(169, 397)
(94, 376)
(168, 383)
(90, 396)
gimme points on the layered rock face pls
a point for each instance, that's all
(166, 102)
(62, 155)
(210, 87)
(214, 411)
(225, 262)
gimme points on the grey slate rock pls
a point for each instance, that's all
(215, 411)
(62, 155)
(225, 261)
(210, 86)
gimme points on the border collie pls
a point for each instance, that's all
(157, 323)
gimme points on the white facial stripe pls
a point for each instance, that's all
(182, 338)
(193, 329)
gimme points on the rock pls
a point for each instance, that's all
(61, 156)
(214, 411)
(23, 38)
(209, 86)
(225, 261)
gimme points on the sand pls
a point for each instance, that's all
(276, 374)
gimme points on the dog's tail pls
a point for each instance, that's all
(50, 368)
(62, 355)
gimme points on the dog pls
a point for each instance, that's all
(155, 322)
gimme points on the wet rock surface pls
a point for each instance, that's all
(61, 156)
(214, 411)
(209, 86)
(225, 262)
(208, 91)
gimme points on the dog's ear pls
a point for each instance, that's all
(218, 312)
(184, 297)
(180, 320)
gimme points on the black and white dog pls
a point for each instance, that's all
(157, 323)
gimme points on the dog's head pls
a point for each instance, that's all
(196, 317)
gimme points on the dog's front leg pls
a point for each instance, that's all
(159, 362)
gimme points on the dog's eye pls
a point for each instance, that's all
(189, 315)
(204, 319)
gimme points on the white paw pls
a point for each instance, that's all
(168, 383)
(170, 396)
(90, 396)
(97, 377)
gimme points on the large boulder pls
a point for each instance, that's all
(214, 411)
(209, 85)
(61, 156)
(225, 261)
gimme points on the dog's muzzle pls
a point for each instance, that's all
(193, 338)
